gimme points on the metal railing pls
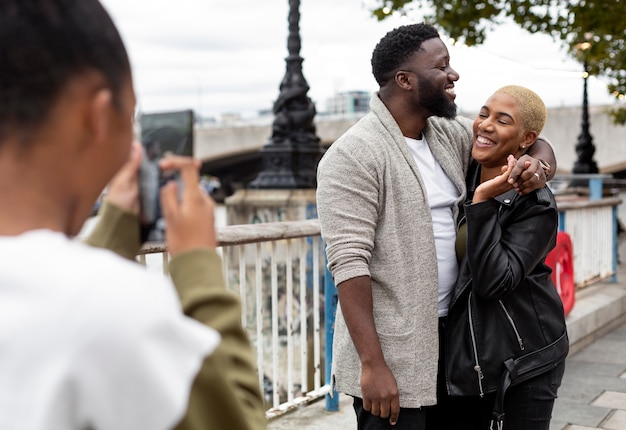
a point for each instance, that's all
(278, 269)
(592, 227)
(288, 298)
(591, 220)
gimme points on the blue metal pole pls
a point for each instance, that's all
(330, 307)
(595, 188)
(561, 220)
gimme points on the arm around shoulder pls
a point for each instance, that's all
(543, 151)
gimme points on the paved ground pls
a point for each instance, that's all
(592, 396)
(593, 392)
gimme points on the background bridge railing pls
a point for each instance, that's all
(592, 226)
(589, 212)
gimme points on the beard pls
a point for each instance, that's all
(436, 100)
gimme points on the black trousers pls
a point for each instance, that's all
(527, 405)
(409, 419)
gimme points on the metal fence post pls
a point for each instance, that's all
(561, 220)
(595, 188)
(330, 308)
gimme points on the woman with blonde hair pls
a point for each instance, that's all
(505, 335)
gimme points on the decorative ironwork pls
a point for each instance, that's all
(289, 159)
(585, 148)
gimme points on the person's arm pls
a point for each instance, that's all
(495, 186)
(378, 385)
(535, 168)
(117, 230)
(117, 227)
(543, 151)
(515, 250)
(347, 204)
(226, 391)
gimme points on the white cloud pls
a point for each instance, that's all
(218, 56)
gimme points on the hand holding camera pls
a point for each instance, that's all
(189, 213)
(186, 208)
(123, 189)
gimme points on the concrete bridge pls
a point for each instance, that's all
(232, 152)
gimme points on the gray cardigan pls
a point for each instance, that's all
(375, 220)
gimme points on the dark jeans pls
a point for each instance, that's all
(409, 419)
(527, 405)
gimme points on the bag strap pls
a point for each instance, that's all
(524, 368)
(498, 408)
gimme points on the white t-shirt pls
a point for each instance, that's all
(442, 196)
(90, 340)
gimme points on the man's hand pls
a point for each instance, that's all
(527, 175)
(380, 392)
(190, 220)
(123, 189)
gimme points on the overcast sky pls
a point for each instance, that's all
(228, 56)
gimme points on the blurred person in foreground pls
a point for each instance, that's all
(388, 195)
(91, 340)
(505, 335)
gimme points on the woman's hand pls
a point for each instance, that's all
(527, 175)
(123, 189)
(496, 186)
(190, 213)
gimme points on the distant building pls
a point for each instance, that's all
(230, 118)
(204, 120)
(349, 102)
(266, 112)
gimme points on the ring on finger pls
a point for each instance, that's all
(537, 175)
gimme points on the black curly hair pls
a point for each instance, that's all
(396, 47)
(46, 43)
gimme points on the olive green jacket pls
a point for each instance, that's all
(226, 392)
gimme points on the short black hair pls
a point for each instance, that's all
(396, 47)
(46, 43)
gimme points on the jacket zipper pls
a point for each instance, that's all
(477, 368)
(519, 338)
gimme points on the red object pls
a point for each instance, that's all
(561, 261)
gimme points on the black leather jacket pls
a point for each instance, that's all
(505, 314)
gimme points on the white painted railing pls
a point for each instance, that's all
(590, 216)
(592, 227)
(278, 270)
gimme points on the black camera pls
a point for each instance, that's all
(150, 182)
(161, 133)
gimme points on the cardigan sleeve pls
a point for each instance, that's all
(347, 205)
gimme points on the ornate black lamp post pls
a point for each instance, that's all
(290, 157)
(585, 149)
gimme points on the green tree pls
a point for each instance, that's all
(590, 30)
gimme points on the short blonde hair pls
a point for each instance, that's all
(532, 110)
